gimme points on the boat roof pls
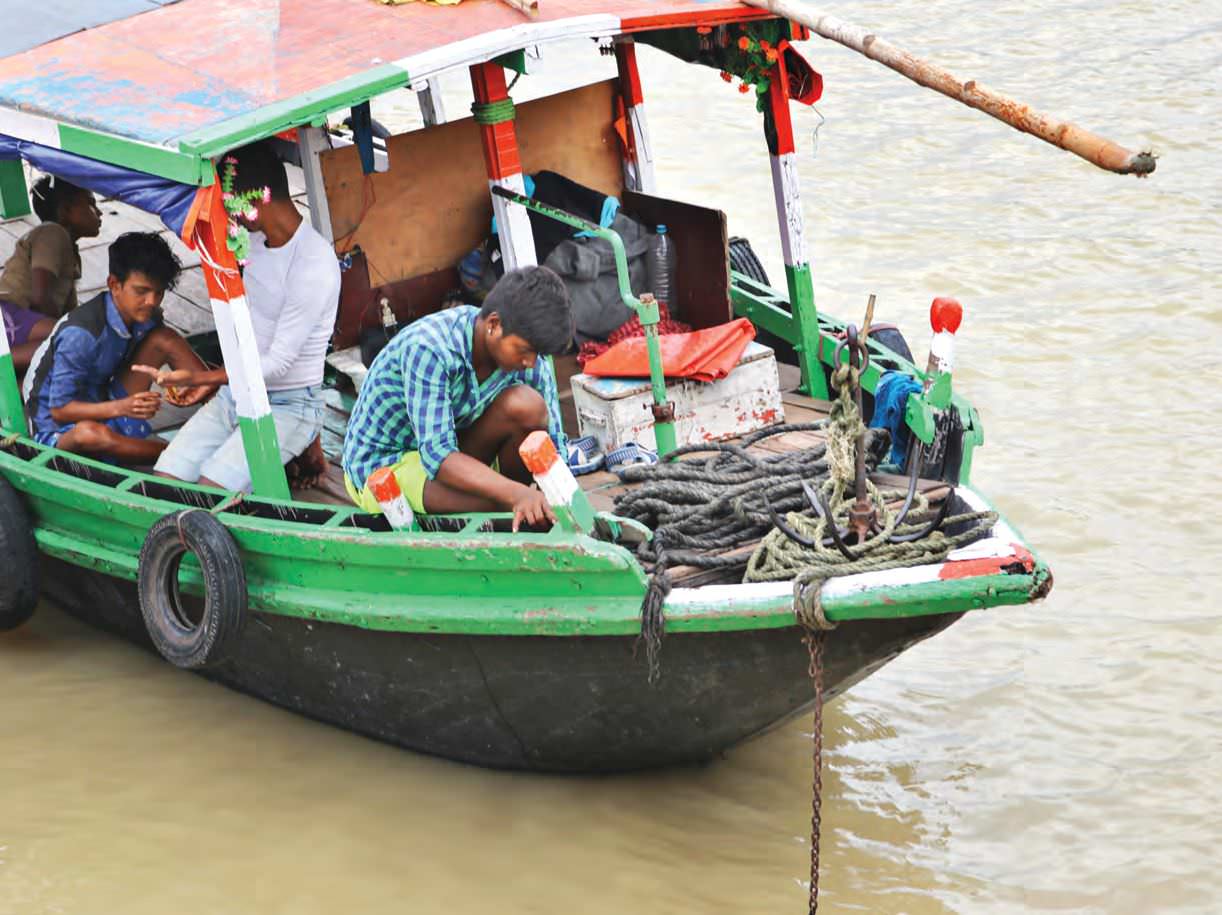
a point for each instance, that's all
(163, 87)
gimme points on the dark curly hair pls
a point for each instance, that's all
(147, 253)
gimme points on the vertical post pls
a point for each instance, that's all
(638, 160)
(14, 198)
(779, 132)
(241, 352)
(311, 141)
(12, 413)
(493, 110)
(432, 111)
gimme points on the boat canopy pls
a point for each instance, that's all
(171, 200)
(168, 89)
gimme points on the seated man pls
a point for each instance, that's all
(81, 393)
(456, 391)
(292, 287)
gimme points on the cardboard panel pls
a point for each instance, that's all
(433, 206)
(702, 256)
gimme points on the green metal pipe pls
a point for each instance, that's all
(12, 414)
(646, 308)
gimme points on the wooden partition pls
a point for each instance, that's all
(433, 205)
(702, 256)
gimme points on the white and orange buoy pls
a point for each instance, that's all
(385, 488)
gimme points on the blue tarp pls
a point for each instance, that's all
(28, 25)
(167, 199)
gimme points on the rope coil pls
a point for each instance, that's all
(493, 112)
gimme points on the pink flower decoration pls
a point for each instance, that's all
(233, 231)
(225, 195)
(252, 213)
(267, 195)
(230, 160)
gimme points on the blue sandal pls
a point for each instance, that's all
(584, 455)
(630, 455)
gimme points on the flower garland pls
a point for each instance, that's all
(236, 205)
(757, 56)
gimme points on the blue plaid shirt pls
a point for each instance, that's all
(421, 389)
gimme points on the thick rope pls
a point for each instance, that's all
(700, 510)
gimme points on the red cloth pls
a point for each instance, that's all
(703, 355)
(630, 328)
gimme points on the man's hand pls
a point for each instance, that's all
(532, 507)
(167, 377)
(182, 386)
(138, 406)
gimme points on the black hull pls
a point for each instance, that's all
(548, 704)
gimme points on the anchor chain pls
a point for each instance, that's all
(810, 550)
(814, 643)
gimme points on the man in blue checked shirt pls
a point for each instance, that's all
(82, 390)
(458, 390)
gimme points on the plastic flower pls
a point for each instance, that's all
(744, 43)
(764, 45)
(252, 213)
(233, 230)
(770, 54)
(267, 195)
(727, 76)
(743, 87)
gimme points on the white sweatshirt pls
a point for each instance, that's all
(293, 294)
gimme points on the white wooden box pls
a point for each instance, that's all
(617, 410)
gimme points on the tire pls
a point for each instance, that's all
(185, 642)
(19, 584)
(743, 260)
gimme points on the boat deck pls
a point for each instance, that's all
(186, 309)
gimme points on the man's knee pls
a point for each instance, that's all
(87, 436)
(524, 407)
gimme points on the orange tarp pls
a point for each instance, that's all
(702, 355)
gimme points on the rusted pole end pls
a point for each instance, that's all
(1141, 164)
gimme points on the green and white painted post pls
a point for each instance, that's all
(240, 350)
(779, 133)
(12, 413)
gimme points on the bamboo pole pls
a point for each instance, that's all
(1077, 140)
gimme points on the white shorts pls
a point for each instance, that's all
(210, 444)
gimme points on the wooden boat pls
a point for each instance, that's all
(462, 639)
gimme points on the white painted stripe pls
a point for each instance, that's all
(785, 188)
(32, 127)
(479, 48)
(513, 225)
(1004, 543)
(311, 142)
(942, 348)
(558, 484)
(241, 352)
(645, 181)
(432, 109)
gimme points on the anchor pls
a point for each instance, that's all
(863, 514)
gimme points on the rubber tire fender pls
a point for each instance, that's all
(19, 555)
(225, 599)
(743, 260)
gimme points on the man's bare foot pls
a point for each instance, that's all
(307, 468)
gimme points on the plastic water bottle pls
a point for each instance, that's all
(662, 266)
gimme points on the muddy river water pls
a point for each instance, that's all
(1059, 758)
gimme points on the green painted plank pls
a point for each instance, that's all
(14, 198)
(185, 167)
(12, 414)
(307, 108)
(263, 457)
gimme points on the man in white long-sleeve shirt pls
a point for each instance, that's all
(292, 287)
